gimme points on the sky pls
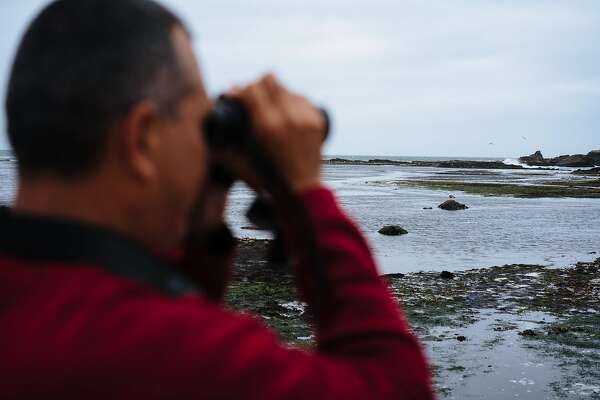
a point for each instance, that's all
(404, 77)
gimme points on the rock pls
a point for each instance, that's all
(427, 208)
(461, 338)
(393, 230)
(534, 159)
(394, 275)
(435, 164)
(451, 196)
(465, 164)
(446, 275)
(595, 155)
(590, 172)
(344, 161)
(567, 160)
(576, 160)
(528, 332)
(452, 205)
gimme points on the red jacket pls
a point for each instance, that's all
(89, 315)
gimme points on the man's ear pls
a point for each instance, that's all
(139, 140)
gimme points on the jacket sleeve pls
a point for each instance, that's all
(364, 347)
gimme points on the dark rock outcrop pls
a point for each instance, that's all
(595, 155)
(465, 164)
(446, 275)
(344, 161)
(393, 230)
(452, 205)
(394, 275)
(575, 160)
(536, 159)
(589, 172)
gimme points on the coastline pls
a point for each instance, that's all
(464, 319)
(423, 163)
(536, 160)
(584, 188)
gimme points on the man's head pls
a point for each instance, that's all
(112, 88)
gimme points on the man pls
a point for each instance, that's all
(105, 107)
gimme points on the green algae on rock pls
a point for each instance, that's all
(583, 189)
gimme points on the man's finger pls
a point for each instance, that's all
(275, 90)
(261, 106)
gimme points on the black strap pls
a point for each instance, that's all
(47, 239)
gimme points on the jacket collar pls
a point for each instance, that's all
(73, 243)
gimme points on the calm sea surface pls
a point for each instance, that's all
(493, 231)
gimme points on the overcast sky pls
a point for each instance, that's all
(405, 77)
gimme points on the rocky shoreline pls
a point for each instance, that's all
(463, 318)
(590, 159)
(466, 164)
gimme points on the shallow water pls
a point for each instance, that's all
(508, 332)
(493, 231)
(494, 365)
(501, 365)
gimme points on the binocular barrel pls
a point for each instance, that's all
(229, 125)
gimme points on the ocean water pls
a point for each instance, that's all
(493, 231)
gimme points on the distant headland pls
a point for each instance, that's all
(437, 164)
(536, 159)
(590, 159)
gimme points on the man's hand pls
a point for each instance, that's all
(290, 128)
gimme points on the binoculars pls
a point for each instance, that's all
(229, 127)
